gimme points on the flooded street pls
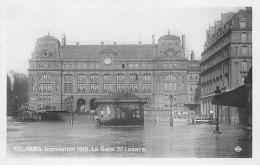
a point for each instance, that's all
(60, 139)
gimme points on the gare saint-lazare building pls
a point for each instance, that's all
(88, 72)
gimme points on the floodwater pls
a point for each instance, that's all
(83, 139)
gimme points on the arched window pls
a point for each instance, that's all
(170, 77)
(170, 83)
(146, 77)
(81, 77)
(32, 88)
(68, 83)
(81, 85)
(120, 77)
(133, 77)
(93, 77)
(107, 77)
(44, 87)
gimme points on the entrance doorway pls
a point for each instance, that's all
(92, 104)
(81, 105)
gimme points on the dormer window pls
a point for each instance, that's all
(242, 23)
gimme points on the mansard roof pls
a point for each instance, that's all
(169, 37)
(107, 51)
(47, 38)
(124, 51)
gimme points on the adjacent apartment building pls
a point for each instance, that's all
(153, 71)
(225, 61)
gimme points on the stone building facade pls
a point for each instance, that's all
(152, 71)
(226, 59)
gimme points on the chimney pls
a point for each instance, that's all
(140, 42)
(102, 43)
(77, 43)
(153, 39)
(192, 56)
(63, 39)
(248, 8)
(114, 43)
(183, 43)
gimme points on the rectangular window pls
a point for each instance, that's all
(149, 88)
(170, 86)
(45, 88)
(33, 87)
(83, 87)
(79, 87)
(144, 87)
(182, 86)
(56, 88)
(165, 86)
(135, 87)
(244, 50)
(66, 88)
(243, 37)
(106, 87)
(70, 87)
(131, 87)
(118, 87)
(158, 87)
(49, 87)
(123, 65)
(123, 86)
(174, 86)
(242, 23)
(96, 86)
(244, 65)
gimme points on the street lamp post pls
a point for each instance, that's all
(217, 91)
(171, 118)
(146, 101)
(16, 110)
(71, 104)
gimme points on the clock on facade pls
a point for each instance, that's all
(170, 52)
(107, 61)
(46, 53)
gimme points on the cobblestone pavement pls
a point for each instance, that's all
(60, 139)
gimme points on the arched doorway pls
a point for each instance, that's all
(92, 104)
(81, 105)
(66, 104)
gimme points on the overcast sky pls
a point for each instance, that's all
(89, 22)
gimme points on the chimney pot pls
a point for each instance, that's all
(192, 56)
(183, 44)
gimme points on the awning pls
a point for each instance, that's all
(234, 98)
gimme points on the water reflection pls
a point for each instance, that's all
(157, 141)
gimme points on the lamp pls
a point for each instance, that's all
(71, 98)
(146, 100)
(16, 110)
(217, 91)
(171, 117)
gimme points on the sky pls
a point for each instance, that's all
(89, 22)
